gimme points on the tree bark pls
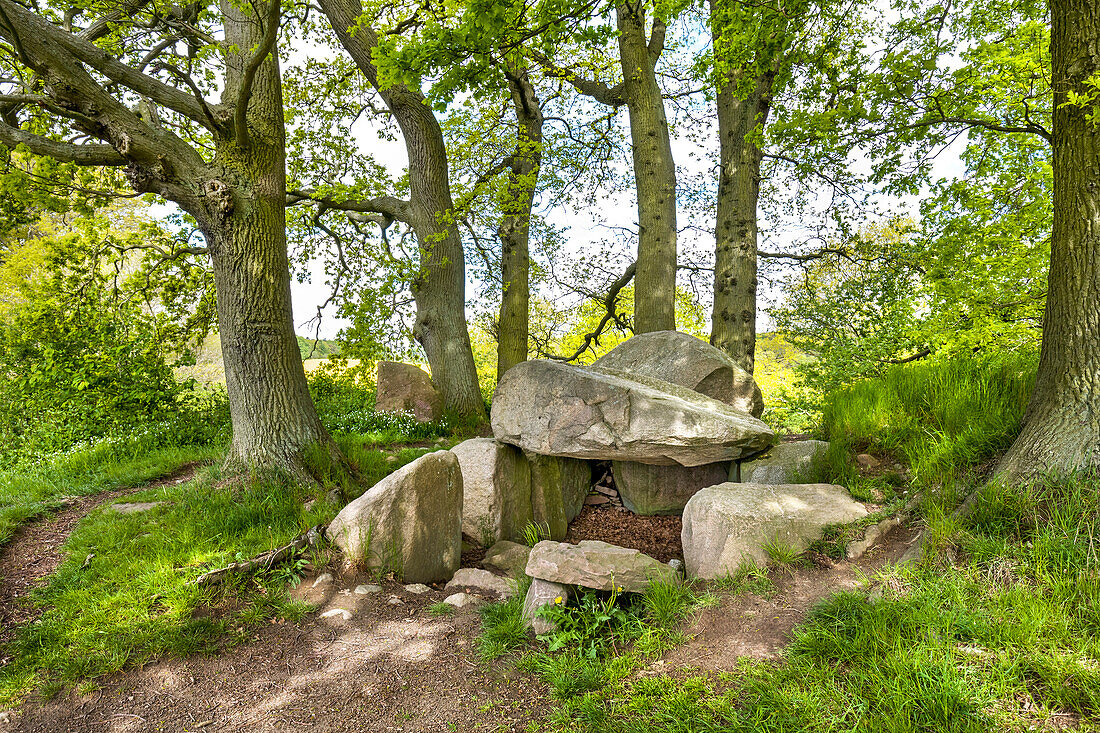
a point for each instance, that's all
(733, 317)
(1061, 427)
(244, 220)
(440, 284)
(654, 170)
(515, 225)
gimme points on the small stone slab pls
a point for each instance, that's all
(134, 507)
(460, 600)
(367, 589)
(322, 579)
(417, 589)
(481, 580)
(598, 565)
(508, 557)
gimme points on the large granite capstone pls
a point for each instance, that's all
(690, 362)
(730, 524)
(409, 522)
(556, 409)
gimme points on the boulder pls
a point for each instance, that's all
(547, 501)
(481, 580)
(407, 388)
(556, 409)
(654, 490)
(409, 522)
(542, 593)
(785, 463)
(496, 490)
(508, 557)
(594, 564)
(732, 523)
(689, 362)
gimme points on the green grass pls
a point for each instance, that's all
(1006, 639)
(132, 600)
(28, 493)
(942, 418)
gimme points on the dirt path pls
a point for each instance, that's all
(760, 626)
(372, 662)
(34, 551)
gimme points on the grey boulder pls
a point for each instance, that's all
(496, 490)
(689, 362)
(655, 490)
(409, 522)
(786, 463)
(730, 524)
(598, 565)
(508, 557)
(407, 388)
(556, 409)
(481, 580)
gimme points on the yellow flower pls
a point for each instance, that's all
(619, 589)
(558, 600)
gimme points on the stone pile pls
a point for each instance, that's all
(674, 419)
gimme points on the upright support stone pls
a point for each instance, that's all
(409, 522)
(496, 486)
(663, 490)
(547, 502)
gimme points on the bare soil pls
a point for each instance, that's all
(377, 662)
(34, 551)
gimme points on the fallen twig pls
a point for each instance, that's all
(265, 560)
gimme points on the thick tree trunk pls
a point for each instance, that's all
(654, 171)
(1061, 428)
(733, 318)
(440, 284)
(515, 225)
(244, 219)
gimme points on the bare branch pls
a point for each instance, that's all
(390, 206)
(611, 304)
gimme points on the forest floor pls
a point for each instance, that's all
(385, 661)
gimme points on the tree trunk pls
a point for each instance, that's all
(244, 219)
(515, 226)
(654, 171)
(1061, 428)
(440, 284)
(733, 318)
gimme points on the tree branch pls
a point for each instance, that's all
(390, 206)
(48, 35)
(610, 303)
(86, 154)
(267, 43)
(611, 96)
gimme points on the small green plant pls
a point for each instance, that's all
(503, 628)
(586, 625)
(536, 532)
(441, 609)
(782, 553)
(748, 578)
